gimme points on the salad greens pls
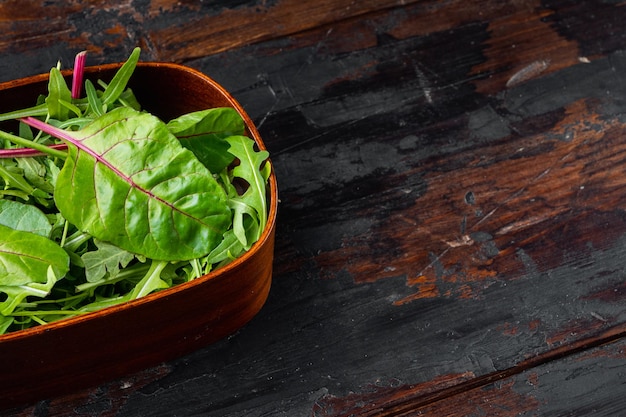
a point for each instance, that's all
(102, 202)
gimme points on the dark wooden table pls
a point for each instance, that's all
(452, 229)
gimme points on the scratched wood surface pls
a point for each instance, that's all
(452, 230)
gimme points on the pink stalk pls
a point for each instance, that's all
(78, 74)
(52, 150)
(49, 129)
(27, 152)
(77, 83)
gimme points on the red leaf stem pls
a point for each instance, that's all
(78, 74)
(28, 152)
(49, 129)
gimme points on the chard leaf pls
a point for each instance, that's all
(203, 132)
(25, 258)
(24, 217)
(128, 181)
(251, 170)
(108, 258)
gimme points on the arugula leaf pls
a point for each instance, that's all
(241, 212)
(250, 170)
(15, 294)
(5, 323)
(14, 178)
(151, 281)
(106, 259)
(35, 172)
(231, 247)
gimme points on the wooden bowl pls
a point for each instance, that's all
(90, 349)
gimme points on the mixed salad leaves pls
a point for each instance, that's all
(102, 202)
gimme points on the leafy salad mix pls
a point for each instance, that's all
(102, 202)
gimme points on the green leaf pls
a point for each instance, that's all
(15, 193)
(242, 211)
(26, 143)
(35, 172)
(230, 248)
(203, 133)
(105, 302)
(57, 93)
(71, 107)
(38, 110)
(25, 258)
(52, 172)
(95, 104)
(118, 84)
(15, 179)
(24, 217)
(128, 99)
(16, 294)
(251, 170)
(106, 259)
(128, 181)
(25, 131)
(5, 323)
(151, 281)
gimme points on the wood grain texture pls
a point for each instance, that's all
(451, 230)
(36, 31)
(589, 378)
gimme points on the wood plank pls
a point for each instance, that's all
(37, 31)
(583, 384)
(492, 393)
(207, 34)
(169, 30)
